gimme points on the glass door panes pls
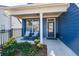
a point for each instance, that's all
(50, 28)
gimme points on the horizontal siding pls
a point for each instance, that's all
(16, 32)
(4, 36)
(68, 27)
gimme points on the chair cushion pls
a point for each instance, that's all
(35, 33)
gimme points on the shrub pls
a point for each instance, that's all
(24, 45)
(11, 41)
(39, 45)
(27, 49)
(24, 48)
(9, 48)
(32, 51)
(36, 41)
(10, 51)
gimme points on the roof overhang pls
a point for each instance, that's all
(53, 8)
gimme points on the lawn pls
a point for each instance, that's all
(12, 48)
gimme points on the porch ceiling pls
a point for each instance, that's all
(52, 10)
(45, 15)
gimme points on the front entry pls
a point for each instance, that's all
(51, 28)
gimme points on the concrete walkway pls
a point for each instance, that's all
(58, 48)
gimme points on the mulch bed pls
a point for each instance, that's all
(42, 52)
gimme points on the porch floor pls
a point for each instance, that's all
(58, 48)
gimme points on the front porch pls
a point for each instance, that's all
(45, 27)
(44, 15)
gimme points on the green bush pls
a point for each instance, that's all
(39, 45)
(36, 41)
(24, 48)
(11, 41)
(31, 52)
(24, 45)
(9, 48)
(10, 51)
(27, 49)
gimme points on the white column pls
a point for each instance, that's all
(54, 27)
(32, 26)
(41, 27)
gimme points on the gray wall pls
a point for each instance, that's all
(9, 24)
(16, 27)
(4, 21)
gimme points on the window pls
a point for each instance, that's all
(29, 25)
(33, 25)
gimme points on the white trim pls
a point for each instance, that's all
(54, 27)
(47, 27)
(41, 27)
(43, 8)
(32, 26)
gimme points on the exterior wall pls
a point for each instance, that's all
(15, 23)
(4, 22)
(45, 28)
(11, 25)
(17, 32)
(16, 27)
(69, 28)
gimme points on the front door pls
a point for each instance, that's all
(50, 29)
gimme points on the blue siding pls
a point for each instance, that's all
(23, 27)
(68, 27)
(45, 28)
